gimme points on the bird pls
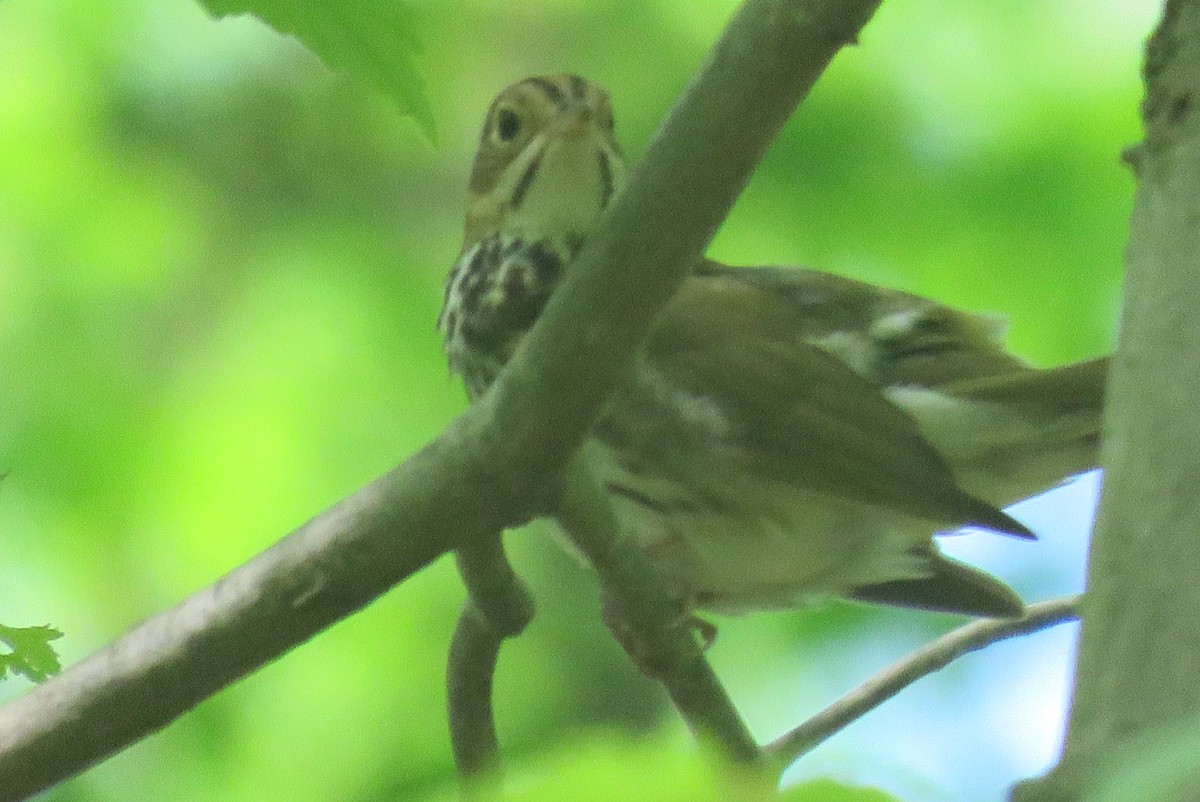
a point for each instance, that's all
(785, 434)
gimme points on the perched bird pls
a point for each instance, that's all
(785, 434)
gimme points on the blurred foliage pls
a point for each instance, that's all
(30, 653)
(829, 791)
(607, 767)
(220, 266)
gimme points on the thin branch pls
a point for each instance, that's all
(498, 465)
(499, 607)
(660, 631)
(900, 675)
(474, 652)
(494, 587)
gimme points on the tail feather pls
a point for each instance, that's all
(950, 587)
(1078, 387)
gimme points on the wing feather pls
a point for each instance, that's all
(804, 417)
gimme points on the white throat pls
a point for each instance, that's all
(574, 181)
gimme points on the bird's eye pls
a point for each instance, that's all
(508, 125)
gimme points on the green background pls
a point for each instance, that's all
(220, 266)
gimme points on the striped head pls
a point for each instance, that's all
(547, 168)
(548, 164)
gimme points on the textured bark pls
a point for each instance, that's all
(1139, 655)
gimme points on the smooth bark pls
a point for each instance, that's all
(1139, 653)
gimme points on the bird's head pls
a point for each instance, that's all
(548, 164)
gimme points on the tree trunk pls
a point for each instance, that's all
(1138, 667)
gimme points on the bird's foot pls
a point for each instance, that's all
(654, 656)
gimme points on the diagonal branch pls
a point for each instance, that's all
(895, 678)
(499, 464)
(657, 631)
(769, 56)
(322, 572)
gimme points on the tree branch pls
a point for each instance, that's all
(1139, 651)
(658, 628)
(494, 587)
(498, 465)
(327, 569)
(895, 678)
(499, 607)
(474, 653)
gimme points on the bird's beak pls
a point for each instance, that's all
(577, 123)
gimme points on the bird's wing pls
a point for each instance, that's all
(801, 416)
(891, 337)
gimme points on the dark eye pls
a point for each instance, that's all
(508, 125)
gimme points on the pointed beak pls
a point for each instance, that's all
(576, 123)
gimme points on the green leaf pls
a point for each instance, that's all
(830, 791)
(373, 40)
(31, 654)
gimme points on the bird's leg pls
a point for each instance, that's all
(647, 656)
